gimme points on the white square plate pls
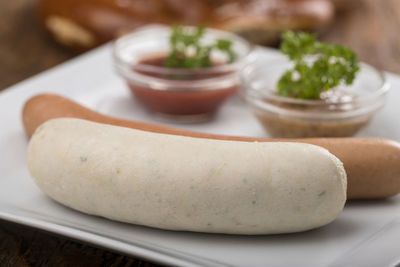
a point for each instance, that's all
(367, 233)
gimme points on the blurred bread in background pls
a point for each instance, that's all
(84, 24)
(345, 5)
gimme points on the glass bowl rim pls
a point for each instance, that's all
(230, 67)
(269, 95)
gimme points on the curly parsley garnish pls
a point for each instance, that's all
(318, 66)
(187, 51)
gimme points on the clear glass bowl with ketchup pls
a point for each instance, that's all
(182, 94)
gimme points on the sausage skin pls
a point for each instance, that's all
(183, 183)
(372, 164)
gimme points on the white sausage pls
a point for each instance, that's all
(184, 183)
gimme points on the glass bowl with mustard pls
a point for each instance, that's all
(313, 90)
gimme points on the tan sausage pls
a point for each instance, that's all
(372, 164)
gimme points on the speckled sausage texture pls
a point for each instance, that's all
(184, 183)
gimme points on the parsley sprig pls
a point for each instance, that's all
(187, 51)
(318, 66)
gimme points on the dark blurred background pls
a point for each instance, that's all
(370, 27)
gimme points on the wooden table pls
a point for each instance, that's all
(370, 29)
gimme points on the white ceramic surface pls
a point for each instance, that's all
(367, 233)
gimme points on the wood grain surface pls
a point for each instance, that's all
(25, 49)
(23, 246)
(371, 28)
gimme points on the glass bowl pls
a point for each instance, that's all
(341, 112)
(180, 94)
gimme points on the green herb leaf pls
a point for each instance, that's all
(188, 52)
(318, 66)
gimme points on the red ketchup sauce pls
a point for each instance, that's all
(181, 102)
